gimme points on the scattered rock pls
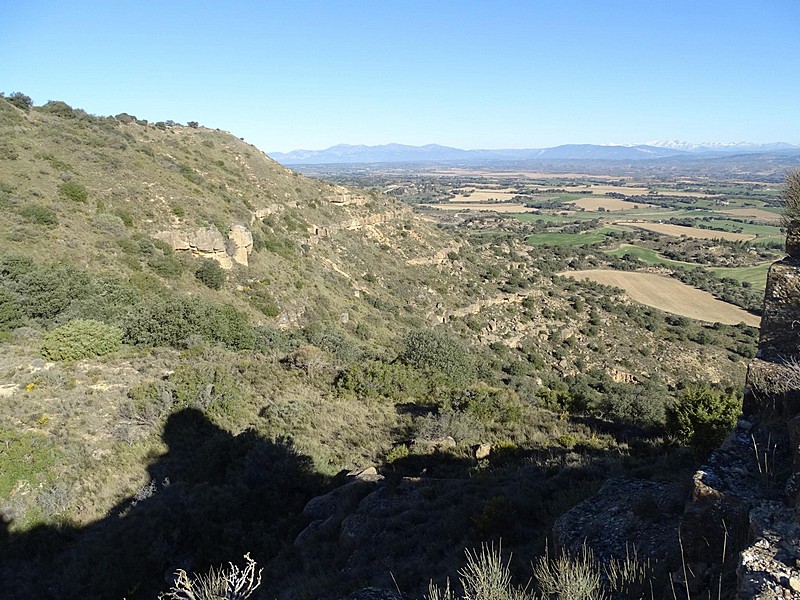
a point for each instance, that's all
(483, 451)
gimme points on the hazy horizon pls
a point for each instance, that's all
(706, 143)
(313, 74)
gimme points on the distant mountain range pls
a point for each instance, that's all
(400, 153)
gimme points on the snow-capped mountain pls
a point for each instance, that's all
(722, 146)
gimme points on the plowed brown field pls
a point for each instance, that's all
(669, 295)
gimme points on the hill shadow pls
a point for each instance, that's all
(211, 498)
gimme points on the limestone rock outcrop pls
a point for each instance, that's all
(241, 244)
(208, 242)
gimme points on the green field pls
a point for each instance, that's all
(556, 238)
(649, 256)
(755, 275)
(549, 218)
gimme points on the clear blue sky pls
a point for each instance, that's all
(472, 74)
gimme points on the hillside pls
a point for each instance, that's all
(197, 341)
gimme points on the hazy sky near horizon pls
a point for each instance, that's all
(471, 74)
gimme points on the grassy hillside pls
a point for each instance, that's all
(152, 396)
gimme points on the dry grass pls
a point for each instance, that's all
(692, 232)
(669, 295)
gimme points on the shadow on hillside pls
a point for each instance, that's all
(212, 497)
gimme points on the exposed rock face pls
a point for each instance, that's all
(625, 512)
(208, 242)
(344, 197)
(768, 568)
(241, 243)
(793, 239)
(780, 323)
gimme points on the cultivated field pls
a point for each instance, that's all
(669, 295)
(485, 195)
(497, 207)
(754, 213)
(692, 232)
(595, 203)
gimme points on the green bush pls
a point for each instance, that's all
(110, 224)
(377, 379)
(439, 352)
(211, 274)
(11, 314)
(20, 100)
(72, 190)
(172, 321)
(703, 416)
(81, 338)
(38, 215)
(59, 108)
(259, 296)
(167, 267)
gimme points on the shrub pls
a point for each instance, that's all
(439, 352)
(217, 583)
(11, 314)
(702, 417)
(20, 100)
(329, 337)
(172, 321)
(485, 577)
(569, 577)
(167, 267)
(59, 108)
(211, 274)
(377, 379)
(72, 190)
(110, 224)
(260, 297)
(38, 215)
(81, 338)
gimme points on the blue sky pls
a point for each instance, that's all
(471, 74)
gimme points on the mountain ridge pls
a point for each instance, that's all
(388, 153)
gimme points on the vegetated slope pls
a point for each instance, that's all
(206, 405)
(670, 295)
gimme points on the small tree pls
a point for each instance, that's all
(20, 100)
(703, 416)
(211, 274)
